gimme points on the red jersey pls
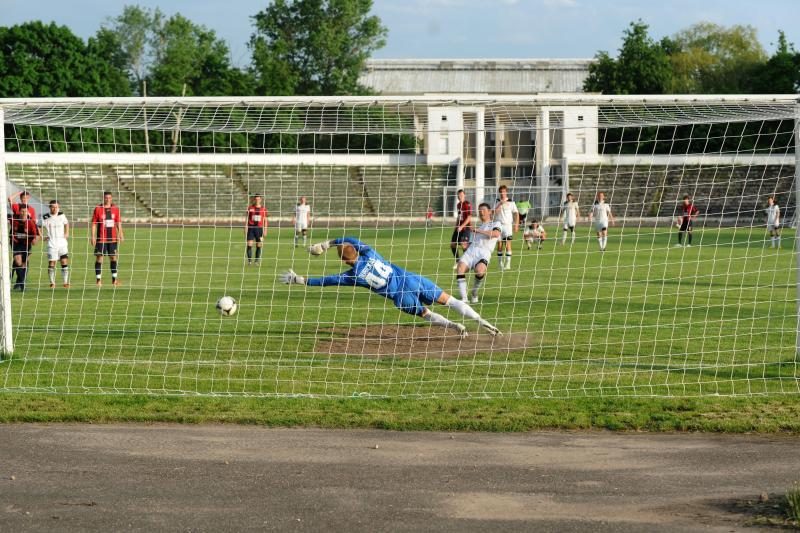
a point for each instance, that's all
(256, 216)
(689, 211)
(23, 223)
(464, 210)
(105, 221)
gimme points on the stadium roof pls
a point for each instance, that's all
(489, 76)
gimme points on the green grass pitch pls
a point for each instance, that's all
(641, 319)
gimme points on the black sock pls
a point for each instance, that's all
(680, 237)
(455, 252)
(249, 252)
(258, 253)
(114, 269)
(98, 269)
(689, 237)
(21, 275)
(18, 275)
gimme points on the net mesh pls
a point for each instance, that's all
(650, 306)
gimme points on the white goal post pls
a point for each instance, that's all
(639, 294)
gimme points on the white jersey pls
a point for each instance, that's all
(600, 213)
(505, 215)
(485, 242)
(773, 216)
(301, 212)
(56, 226)
(570, 210)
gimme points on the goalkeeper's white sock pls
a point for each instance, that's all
(564, 238)
(462, 285)
(51, 272)
(463, 309)
(573, 236)
(65, 274)
(439, 320)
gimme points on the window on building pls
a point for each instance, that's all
(580, 144)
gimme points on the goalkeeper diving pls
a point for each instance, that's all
(410, 292)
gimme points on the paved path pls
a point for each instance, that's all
(235, 478)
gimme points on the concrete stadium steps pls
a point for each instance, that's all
(78, 188)
(405, 190)
(328, 188)
(719, 191)
(183, 192)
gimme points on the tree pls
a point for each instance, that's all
(314, 47)
(781, 73)
(642, 66)
(711, 59)
(41, 60)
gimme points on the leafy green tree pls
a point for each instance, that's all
(711, 59)
(781, 73)
(642, 66)
(41, 60)
(314, 47)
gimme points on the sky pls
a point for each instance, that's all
(456, 28)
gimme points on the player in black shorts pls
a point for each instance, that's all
(462, 233)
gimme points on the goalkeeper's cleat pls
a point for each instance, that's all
(462, 330)
(474, 299)
(493, 331)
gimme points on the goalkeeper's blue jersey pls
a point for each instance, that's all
(409, 291)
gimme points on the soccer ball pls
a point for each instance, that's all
(678, 223)
(227, 306)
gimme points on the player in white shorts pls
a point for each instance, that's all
(56, 229)
(601, 215)
(570, 214)
(477, 256)
(302, 220)
(774, 222)
(507, 214)
(534, 234)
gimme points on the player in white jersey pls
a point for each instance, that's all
(570, 215)
(535, 234)
(477, 256)
(507, 214)
(774, 222)
(56, 230)
(301, 220)
(601, 215)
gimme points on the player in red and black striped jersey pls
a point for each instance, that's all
(24, 234)
(105, 229)
(462, 233)
(690, 212)
(256, 227)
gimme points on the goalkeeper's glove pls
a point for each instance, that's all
(290, 278)
(319, 248)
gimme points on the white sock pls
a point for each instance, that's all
(476, 286)
(508, 259)
(439, 320)
(573, 236)
(564, 238)
(600, 242)
(65, 274)
(462, 287)
(51, 272)
(463, 309)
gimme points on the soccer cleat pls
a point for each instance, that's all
(473, 300)
(493, 331)
(66, 285)
(678, 246)
(52, 285)
(462, 330)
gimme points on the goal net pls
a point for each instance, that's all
(669, 270)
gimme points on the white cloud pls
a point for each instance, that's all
(560, 3)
